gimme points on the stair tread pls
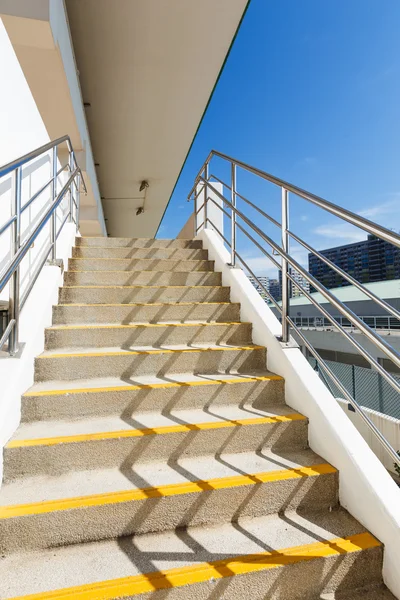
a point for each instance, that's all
(147, 420)
(139, 476)
(149, 325)
(104, 561)
(144, 380)
(195, 347)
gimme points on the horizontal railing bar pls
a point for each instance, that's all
(218, 231)
(345, 275)
(201, 225)
(36, 195)
(35, 276)
(275, 262)
(62, 169)
(7, 224)
(5, 169)
(62, 224)
(348, 396)
(364, 353)
(337, 211)
(264, 214)
(220, 207)
(7, 274)
(379, 342)
(272, 299)
(7, 332)
(199, 209)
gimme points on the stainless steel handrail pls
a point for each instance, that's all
(334, 209)
(11, 271)
(289, 266)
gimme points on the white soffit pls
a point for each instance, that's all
(147, 68)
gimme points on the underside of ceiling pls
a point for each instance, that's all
(147, 69)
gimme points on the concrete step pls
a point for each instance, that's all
(159, 496)
(56, 447)
(288, 557)
(142, 294)
(54, 400)
(147, 334)
(140, 264)
(114, 362)
(155, 312)
(156, 278)
(136, 242)
(148, 253)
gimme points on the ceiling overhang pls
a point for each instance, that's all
(147, 69)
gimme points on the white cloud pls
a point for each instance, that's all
(384, 208)
(261, 265)
(303, 218)
(341, 233)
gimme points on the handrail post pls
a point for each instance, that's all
(71, 189)
(13, 305)
(233, 215)
(53, 222)
(205, 193)
(285, 279)
(78, 200)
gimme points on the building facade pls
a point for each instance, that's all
(370, 260)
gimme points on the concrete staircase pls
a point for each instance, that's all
(156, 457)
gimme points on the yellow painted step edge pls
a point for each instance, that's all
(149, 325)
(174, 489)
(184, 576)
(129, 433)
(151, 352)
(144, 386)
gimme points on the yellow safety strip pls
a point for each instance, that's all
(198, 573)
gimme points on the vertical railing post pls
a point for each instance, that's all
(233, 215)
(13, 305)
(78, 199)
(71, 189)
(285, 279)
(205, 194)
(53, 222)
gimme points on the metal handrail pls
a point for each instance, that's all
(205, 192)
(11, 272)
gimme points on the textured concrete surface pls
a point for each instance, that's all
(107, 395)
(156, 278)
(115, 450)
(141, 264)
(129, 294)
(136, 242)
(91, 397)
(156, 313)
(116, 362)
(129, 336)
(153, 253)
(105, 560)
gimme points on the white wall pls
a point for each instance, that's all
(388, 426)
(366, 489)
(22, 130)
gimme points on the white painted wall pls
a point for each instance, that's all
(22, 130)
(366, 489)
(388, 426)
(213, 212)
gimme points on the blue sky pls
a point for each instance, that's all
(311, 94)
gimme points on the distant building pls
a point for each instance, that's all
(294, 291)
(275, 289)
(367, 261)
(261, 279)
